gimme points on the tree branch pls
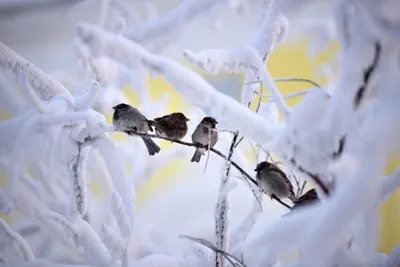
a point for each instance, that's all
(230, 258)
(215, 151)
(222, 207)
(288, 80)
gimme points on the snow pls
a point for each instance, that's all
(339, 137)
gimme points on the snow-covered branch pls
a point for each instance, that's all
(63, 166)
(222, 208)
(192, 86)
(24, 251)
(390, 184)
(84, 236)
(44, 85)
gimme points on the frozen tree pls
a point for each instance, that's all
(338, 139)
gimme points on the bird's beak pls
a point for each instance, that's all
(114, 107)
(255, 169)
(187, 119)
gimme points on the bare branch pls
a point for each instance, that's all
(230, 258)
(289, 80)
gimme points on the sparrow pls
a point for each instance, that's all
(129, 120)
(205, 130)
(273, 181)
(172, 126)
(309, 197)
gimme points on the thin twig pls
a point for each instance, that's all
(314, 177)
(254, 194)
(288, 80)
(297, 185)
(259, 99)
(257, 109)
(220, 221)
(230, 258)
(241, 138)
(302, 188)
(225, 131)
(209, 145)
(292, 95)
(215, 151)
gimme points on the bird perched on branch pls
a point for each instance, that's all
(273, 181)
(129, 120)
(172, 126)
(309, 197)
(205, 135)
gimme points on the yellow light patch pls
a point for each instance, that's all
(164, 178)
(130, 95)
(390, 217)
(3, 178)
(95, 189)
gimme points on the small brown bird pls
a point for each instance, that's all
(172, 126)
(129, 120)
(273, 181)
(309, 197)
(204, 134)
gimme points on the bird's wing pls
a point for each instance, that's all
(163, 118)
(205, 129)
(281, 173)
(308, 196)
(274, 168)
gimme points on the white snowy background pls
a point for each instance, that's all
(52, 217)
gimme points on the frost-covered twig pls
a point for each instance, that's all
(263, 42)
(120, 215)
(124, 225)
(222, 207)
(113, 241)
(238, 59)
(84, 236)
(79, 203)
(24, 250)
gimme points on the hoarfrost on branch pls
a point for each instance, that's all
(337, 138)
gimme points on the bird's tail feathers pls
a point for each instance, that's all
(152, 147)
(197, 155)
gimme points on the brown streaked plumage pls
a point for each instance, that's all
(273, 181)
(172, 126)
(310, 197)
